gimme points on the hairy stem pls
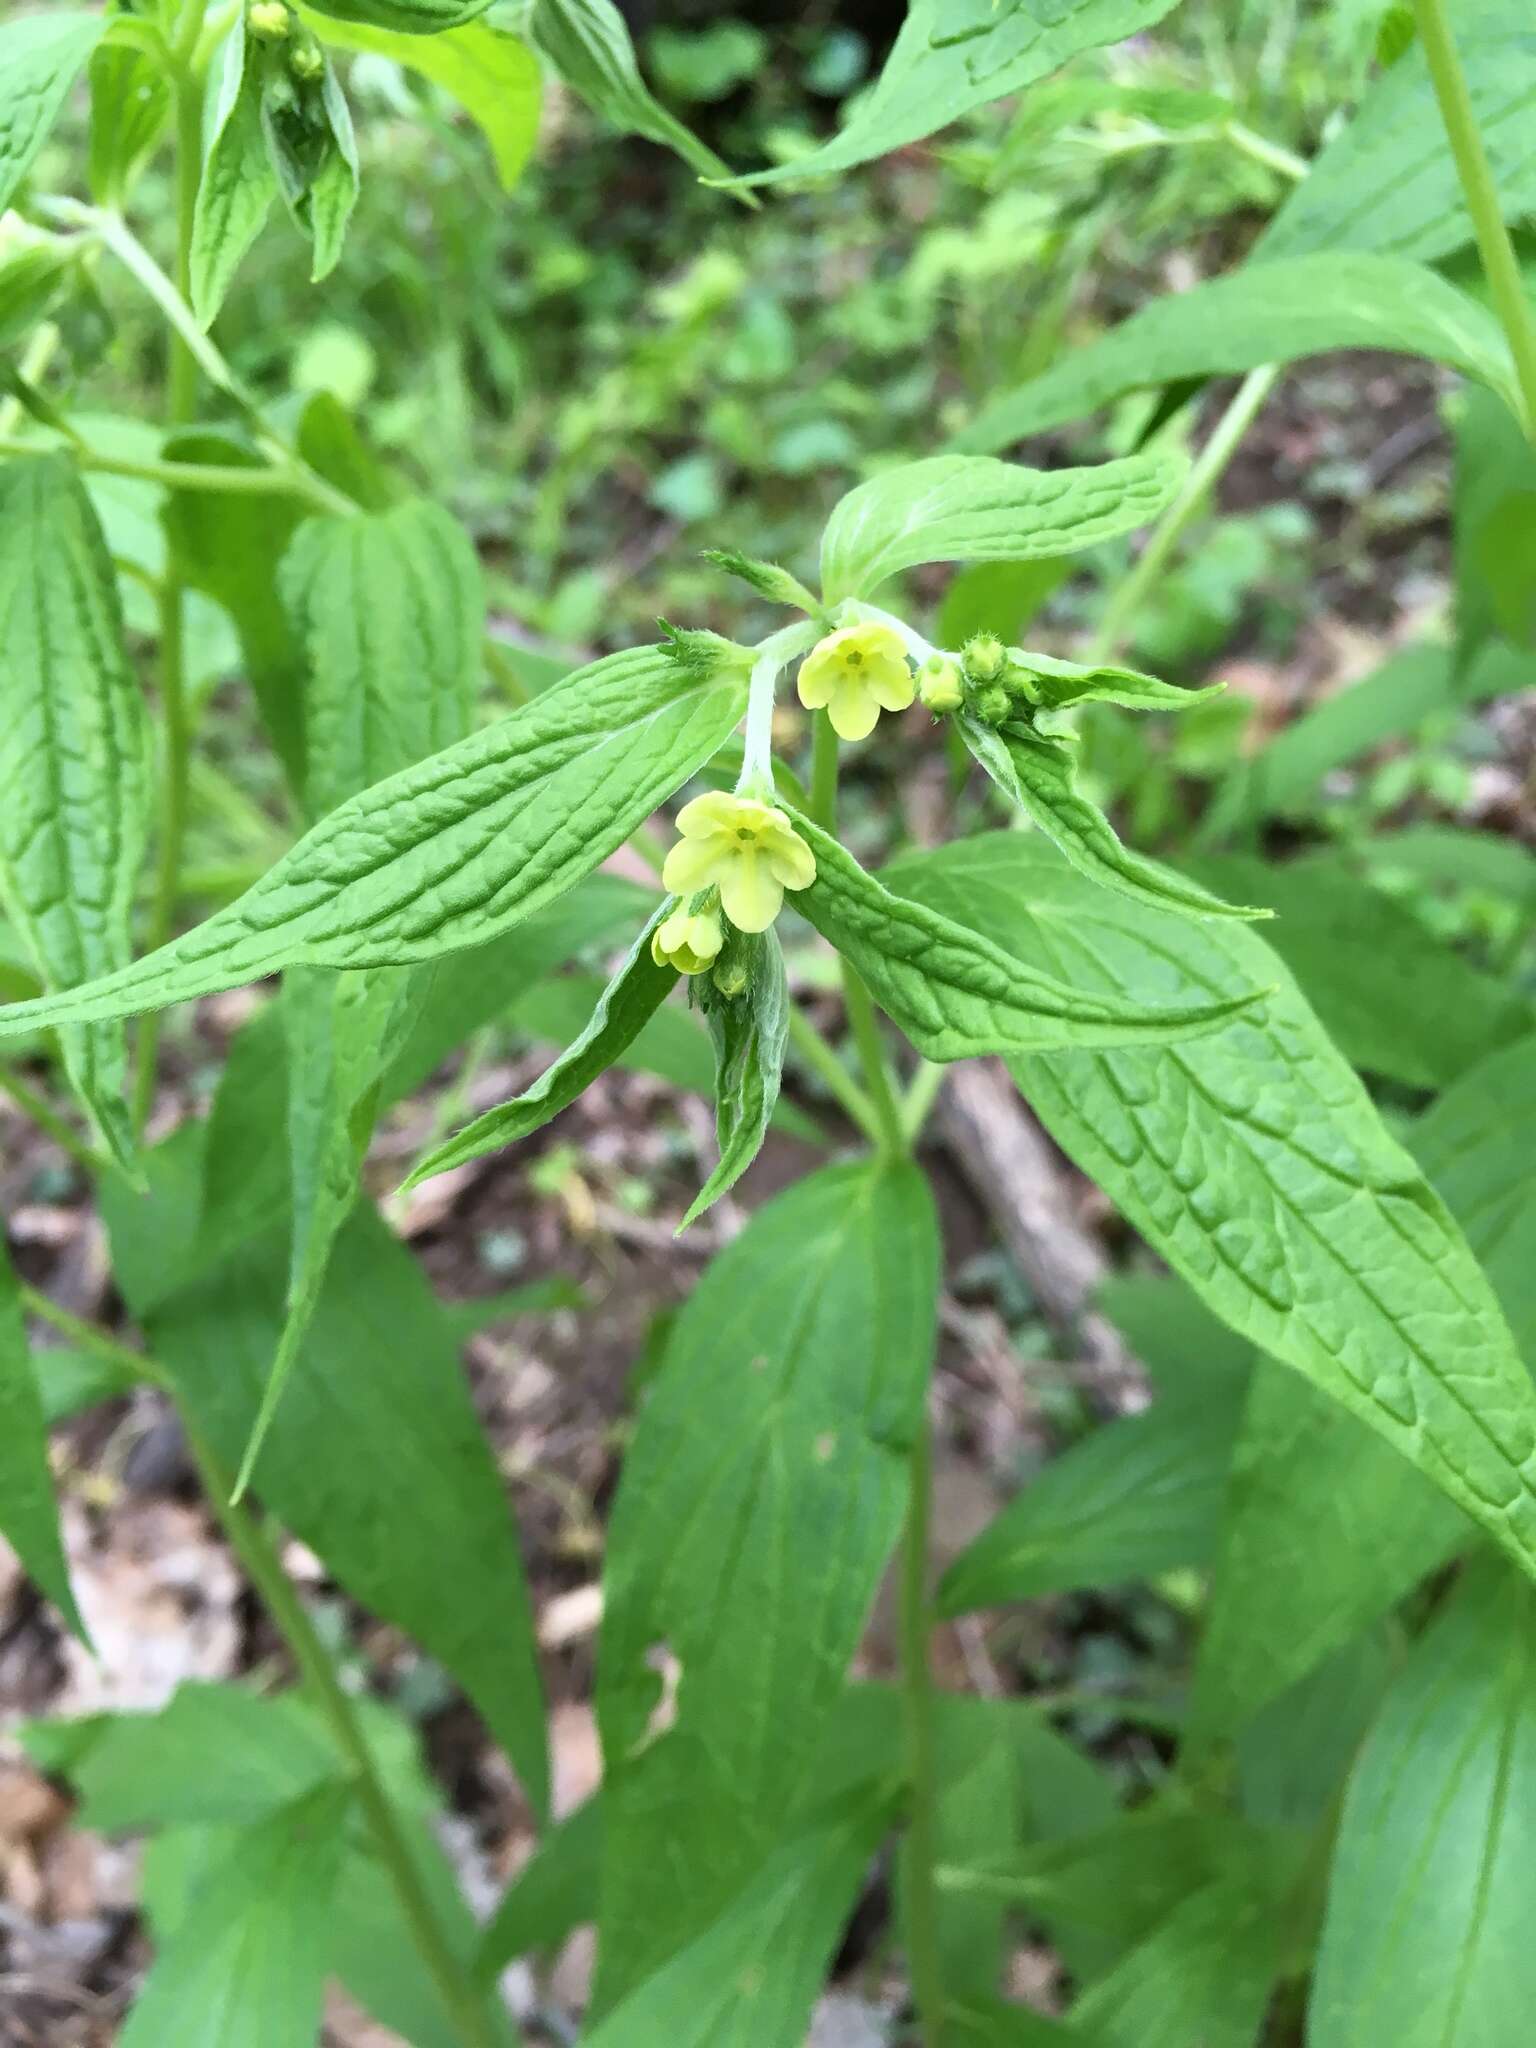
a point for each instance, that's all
(920, 1848)
(1500, 266)
(1207, 468)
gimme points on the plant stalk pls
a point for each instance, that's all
(824, 1062)
(1500, 265)
(920, 1848)
(46, 1117)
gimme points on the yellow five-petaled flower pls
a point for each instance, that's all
(854, 674)
(748, 849)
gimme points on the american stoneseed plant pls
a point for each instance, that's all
(1338, 1848)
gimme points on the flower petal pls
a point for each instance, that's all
(714, 811)
(891, 683)
(695, 863)
(704, 936)
(817, 679)
(790, 860)
(749, 894)
(853, 712)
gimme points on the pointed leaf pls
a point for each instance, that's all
(750, 1032)
(953, 55)
(74, 799)
(970, 508)
(1425, 1944)
(587, 42)
(954, 991)
(238, 183)
(1040, 775)
(29, 1513)
(761, 1496)
(1055, 683)
(1256, 1164)
(40, 57)
(1263, 313)
(625, 1006)
(130, 106)
(451, 852)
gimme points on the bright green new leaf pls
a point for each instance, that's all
(956, 991)
(453, 851)
(375, 1457)
(1040, 775)
(625, 1006)
(953, 55)
(972, 508)
(1399, 1001)
(1387, 180)
(1263, 313)
(130, 105)
(1256, 1164)
(588, 43)
(1426, 1943)
(29, 1514)
(750, 1032)
(40, 58)
(247, 1965)
(74, 794)
(404, 17)
(493, 76)
(1140, 1496)
(238, 183)
(750, 1976)
(760, 1499)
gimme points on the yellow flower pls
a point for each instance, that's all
(687, 940)
(750, 849)
(855, 674)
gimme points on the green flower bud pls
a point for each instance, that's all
(307, 60)
(731, 977)
(985, 657)
(269, 20)
(1024, 684)
(940, 684)
(993, 705)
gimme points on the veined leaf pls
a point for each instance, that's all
(954, 990)
(1387, 181)
(1256, 1164)
(750, 1032)
(750, 1978)
(758, 1506)
(629, 1001)
(238, 183)
(73, 761)
(450, 852)
(1139, 1496)
(493, 76)
(40, 58)
(1424, 1941)
(587, 42)
(376, 1413)
(1040, 775)
(953, 55)
(29, 1514)
(972, 508)
(247, 1966)
(1262, 313)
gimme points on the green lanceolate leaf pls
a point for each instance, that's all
(1263, 313)
(967, 508)
(494, 77)
(953, 55)
(751, 1978)
(633, 996)
(955, 991)
(40, 57)
(1423, 1943)
(1140, 1496)
(29, 1514)
(451, 852)
(247, 1965)
(588, 43)
(1040, 775)
(750, 1032)
(313, 151)
(1387, 181)
(73, 761)
(1055, 685)
(759, 1503)
(130, 105)
(1256, 1164)
(403, 17)
(238, 184)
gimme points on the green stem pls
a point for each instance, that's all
(921, 1095)
(1207, 468)
(1273, 155)
(823, 1061)
(824, 773)
(1500, 265)
(864, 1025)
(920, 1848)
(181, 408)
(91, 1337)
(42, 1113)
(191, 476)
(40, 352)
